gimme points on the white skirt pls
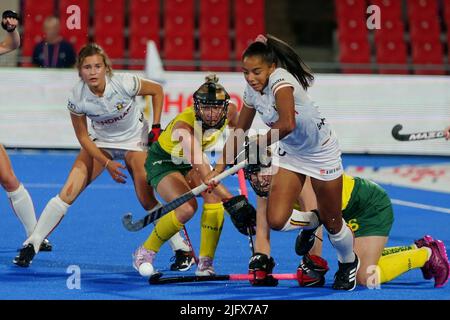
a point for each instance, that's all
(118, 150)
(325, 165)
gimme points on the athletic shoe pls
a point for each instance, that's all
(205, 267)
(46, 246)
(142, 255)
(425, 242)
(345, 277)
(183, 260)
(25, 257)
(438, 264)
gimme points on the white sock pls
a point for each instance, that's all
(301, 220)
(176, 242)
(343, 243)
(49, 219)
(23, 207)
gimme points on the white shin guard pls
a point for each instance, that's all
(23, 207)
(343, 243)
(49, 219)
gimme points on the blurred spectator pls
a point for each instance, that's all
(53, 51)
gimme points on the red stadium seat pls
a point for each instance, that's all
(390, 9)
(391, 29)
(216, 51)
(346, 9)
(245, 7)
(447, 14)
(114, 47)
(422, 9)
(180, 50)
(241, 43)
(78, 37)
(144, 17)
(219, 7)
(138, 49)
(109, 5)
(179, 24)
(428, 53)
(213, 23)
(353, 28)
(109, 22)
(424, 29)
(392, 52)
(249, 18)
(354, 52)
(251, 24)
(179, 6)
(35, 13)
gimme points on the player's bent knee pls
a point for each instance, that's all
(275, 223)
(186, 211)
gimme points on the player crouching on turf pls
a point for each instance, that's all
(368, 211)
(176, 163)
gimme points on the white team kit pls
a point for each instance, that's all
(312, 148)
(117, 123)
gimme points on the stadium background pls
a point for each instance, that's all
(366, 82)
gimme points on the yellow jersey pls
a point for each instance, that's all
(173, 147)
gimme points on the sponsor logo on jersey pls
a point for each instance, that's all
(115, 119)
(71, 106)
(120, 106)
(321, 123)
(276, 82)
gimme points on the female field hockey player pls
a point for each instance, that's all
(118, 131)
(176, 163)
(367, 210)
(277, 80)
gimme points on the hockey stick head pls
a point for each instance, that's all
(127, 221)
(154, 278)
(396, 129)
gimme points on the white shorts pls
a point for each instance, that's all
(325, 166)
(118, 150)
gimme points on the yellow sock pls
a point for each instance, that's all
(395, 264)
(166, 227)
(211, 228)
(392, 250)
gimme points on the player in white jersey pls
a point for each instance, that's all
(277, 80)
(117, 131)
(17, 194)
(447, 132)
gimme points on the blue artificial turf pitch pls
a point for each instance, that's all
(91, 240)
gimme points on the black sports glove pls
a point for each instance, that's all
(242, 214)
(311, 271)
(9, 14)
(153, 135)
(261, 267)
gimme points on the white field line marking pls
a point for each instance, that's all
(420, 206)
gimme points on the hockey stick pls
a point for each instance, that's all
(127, 220)
(190, 244)
(243, 191)
(416, 136)
(158, 279)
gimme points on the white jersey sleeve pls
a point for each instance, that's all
(74, 103)
(281, 78)
(130, 83)
(249, 97)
